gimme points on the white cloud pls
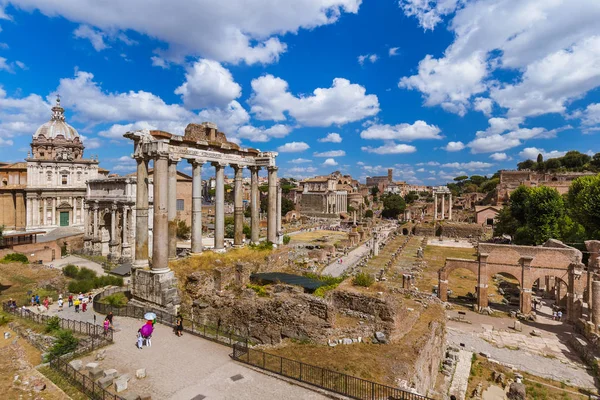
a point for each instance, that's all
(228, 119)
(484, 105)
(331, 138)
(293, 147)
(261, 134)
(492, 143)
(159, 62)
(19, 116)
(393, 51)
(21, 64)
(591, 117)
(390, 149)
(372, 58)
(469, 166)
(300, 161)
(555, 49)
(430, 163)
(421, 170)
(219, 30)
(3, 46)
(91, 143)
(499, 156)
(500, 125)
(340, 104)
(330, 162)
(94, 36)
(454, 146)
(331, 153)
(405, 132)
(301, 170)
(531, 153)
(208, 84)
(429, 13)
(4, 65)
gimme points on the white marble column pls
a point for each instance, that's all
(29, 213)
(45, 212)
(435, 207)
(82, 212)
(96, 228)
(113, 224)
(279, 227)
(125, 226)
(219, 206)
(254, 204)
(72, 213)
(160, 230)
(238, 204)
(141, 214)
(54, 205)
(450, 207)
(196, 206)
(172, 209)
(86, 221)
(272, 207)
(36, 211)
(443, 204)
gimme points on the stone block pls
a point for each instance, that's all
(96, 373)
(76, 364)
(380, 336)
(91, 365)
(535, 332)
(120, 385)
(111, 373)
(518, 326)
(105, 382)
(6, 335)
(130, 396)
(347, 341)
(125, 377)
(140, 373)
(101, 355)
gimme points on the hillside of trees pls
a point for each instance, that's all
(573, 161)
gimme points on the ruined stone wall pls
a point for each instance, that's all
(360, 303)
(425, 230)
(430, 353)
(462, 230)
(312, 203)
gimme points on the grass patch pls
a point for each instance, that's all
(19, 281)
(117, 300)
(62, 383)
(86, 279)
(260, 290)
(15, 257)
(363, 279)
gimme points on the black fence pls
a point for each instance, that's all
(214, 332)
(84, 383)
(332, 381)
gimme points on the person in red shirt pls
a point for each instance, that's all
(70, 300)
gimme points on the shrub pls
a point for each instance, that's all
(247, 231)
(321, 291)
(65, 343)
(369, 214)
(183, 230)
(15, 257)
(80, 286)
(286, 239)
(5, 319)
(86, 274)
(363, 279)
(71, 271)
(63, 250)
(264, 245)
(115, 300)
(52, 324)
(260, 290)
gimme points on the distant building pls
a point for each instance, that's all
(486, 215)
(377, 180)
(326, 196)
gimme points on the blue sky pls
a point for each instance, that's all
(433, 89)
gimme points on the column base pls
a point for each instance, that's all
(195, 254)
(140, 264)
(156, 288)
(125, 253)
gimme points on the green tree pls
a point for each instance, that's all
(183, 230)
(393, 205)
(369, 214)
(540, 158)
(477, 179)
(527, 164)
(461, 178)
(552, 164)
(575, 160)
(595, 162)
(489, 185)
(583, 201)
(374, 191)
(286, 206)
(411, 197)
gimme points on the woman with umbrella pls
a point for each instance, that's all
(146, 331)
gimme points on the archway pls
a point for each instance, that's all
(506, 292)
(462, 286)
(64, 211)
(405, 231)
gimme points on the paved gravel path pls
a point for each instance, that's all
(460, 380)
(80, 262)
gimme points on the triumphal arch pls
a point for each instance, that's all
(201, 143)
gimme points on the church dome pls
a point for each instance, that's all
(57, 126)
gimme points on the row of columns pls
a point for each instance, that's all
(435, 206)
(91, 227)
(35, 217)
(165, 212)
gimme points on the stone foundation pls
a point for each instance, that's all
(159, 289)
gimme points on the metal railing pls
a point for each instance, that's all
(323, 378)
(84, 383)
(216, 333)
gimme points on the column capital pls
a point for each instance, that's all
(125, 207)
(96, 206)
(161, 155)
(86, 206)
(237, 167)
(174, 159)
(219, 164)
(139, 157)
(196, 162)
(254, 168)
(272, 168)
(114, 206)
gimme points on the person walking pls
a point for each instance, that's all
(84, 305)
(37, 299)
(76, 304)
(70, 299)
(32, 300)
(46, 302)
(106, 325)
(60, 303)
(179, 325)
(109, 317)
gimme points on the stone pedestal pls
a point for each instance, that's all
(126, 253)
(156, 289)
(596, 303)
(97, 246)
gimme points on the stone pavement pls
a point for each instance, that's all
(188, 367)
(462, 372)
(80, 262)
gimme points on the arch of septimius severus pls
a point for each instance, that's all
(201, 143)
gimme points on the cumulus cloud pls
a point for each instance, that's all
(393, 51)
(208, 84)
(300, 161)
(404, 132)
(261, 134)
(21, 115)
(293, 147)
(499, 156)
(331, 138)
(430, 163)
(372, 58)
(390, 149)
(331, 153)
(216, 30)
(330, 162)
(454, 146)
(228, 118)
(484, 105)
(469, 166)
(95, 37)
(428, 13)
(531, 153)
(591, 117)
(340, 104)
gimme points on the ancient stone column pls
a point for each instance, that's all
(113, 224)
(54, 211)
(279, 228)
(442, 286)
(596, 303)
(45, 212)
(125, 226)
(238, 211)
(450, 207)
(443, 205)
(219, 206)
(86, 221)
(96, 232)
(435, 207)
(272, 207)
(160, 230)
(29, 212)
(525, 297)
(254, 204)
(482, 282)
(196, 206)
(141, 214)
(172, 208)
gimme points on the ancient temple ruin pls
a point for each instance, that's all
(201, 143)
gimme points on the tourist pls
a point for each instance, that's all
(80, 298)
(110, 319)
(554, 315)
(46, 302)
(559, 315)
(37, 299)
(179, 325)
(90, 297)
(76, 304)
(60, 303)
(106, 325)
(70, 299)
(84, 305)
(32, 301)
(140, 339)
